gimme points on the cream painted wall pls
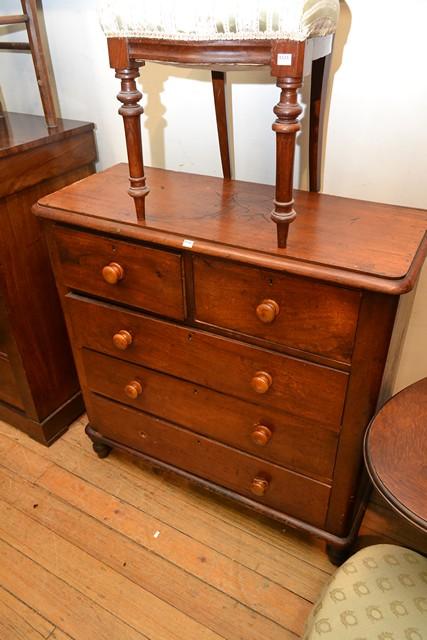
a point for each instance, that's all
(376, 146)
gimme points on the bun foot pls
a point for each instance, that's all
(101, 450)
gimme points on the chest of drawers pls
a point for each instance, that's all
(251, 370)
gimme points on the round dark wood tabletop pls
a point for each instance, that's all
(395, 451)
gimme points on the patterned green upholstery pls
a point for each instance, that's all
(380, 593)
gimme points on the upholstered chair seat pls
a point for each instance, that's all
(219, 19)
(380, 593)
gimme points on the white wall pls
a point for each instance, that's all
(376, 147)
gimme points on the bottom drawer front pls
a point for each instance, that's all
(285, 491)
(294, 443)
(9, 391)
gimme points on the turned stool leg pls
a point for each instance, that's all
(286, 127)
(287, 65)
(131, 112)
(127, 70)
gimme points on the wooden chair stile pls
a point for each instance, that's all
(29, 18)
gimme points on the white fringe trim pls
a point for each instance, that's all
(196, 20)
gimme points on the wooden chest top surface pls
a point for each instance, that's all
(22, 131)
(351, 242)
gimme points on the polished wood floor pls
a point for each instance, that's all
(109, 550)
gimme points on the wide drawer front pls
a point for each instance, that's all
(266, 433)
(264, 482)
(295, 312)
(9, 391)
(254, 374)
(121, 271)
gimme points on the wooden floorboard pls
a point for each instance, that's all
(22, 611)
(13, 624)
(110, 549)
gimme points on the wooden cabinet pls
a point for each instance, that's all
(39, 389)
(203, 348)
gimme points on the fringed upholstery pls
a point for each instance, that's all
(219, 19)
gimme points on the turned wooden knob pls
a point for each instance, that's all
(122, 340)
(259, 485)
(113, 272)
(261, 382)
(133, 389)
(261, 435)
(267, 311)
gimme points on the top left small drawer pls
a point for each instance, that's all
(133, 274)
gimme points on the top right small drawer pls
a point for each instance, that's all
(310, 316)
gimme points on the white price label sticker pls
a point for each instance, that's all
(284, 59)
(188, 243)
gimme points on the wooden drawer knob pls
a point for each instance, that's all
(267, 311)
(133, 389)
(261, 435)
(261, 382)
(113, 273)
(259, 485)
(122, 340)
